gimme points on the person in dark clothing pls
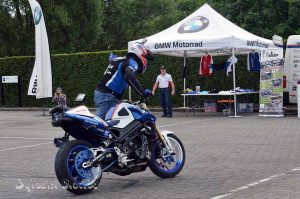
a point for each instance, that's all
(163, 81)
(121, 72)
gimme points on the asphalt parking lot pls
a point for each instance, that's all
(247, 157)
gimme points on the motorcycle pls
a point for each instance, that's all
(127, 141)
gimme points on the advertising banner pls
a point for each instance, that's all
(271, 83)
(40, 83)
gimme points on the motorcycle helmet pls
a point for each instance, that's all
(142, 54)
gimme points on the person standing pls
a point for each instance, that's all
(59, 97)
(163, 82)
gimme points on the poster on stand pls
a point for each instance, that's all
(271, 83)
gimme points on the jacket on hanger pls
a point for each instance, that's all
(229, 64)
(205, 62)
(253, 61)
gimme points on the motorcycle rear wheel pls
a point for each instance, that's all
(69, 171)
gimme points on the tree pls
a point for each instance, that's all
(93, 25)
(262, 17)
(125, 20)
(71, 26)
(14, 28)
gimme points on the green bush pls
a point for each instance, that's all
(80, 73)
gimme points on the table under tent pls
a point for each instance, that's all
(206, 32)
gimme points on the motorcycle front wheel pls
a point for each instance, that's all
(167, 165)
(69, 170)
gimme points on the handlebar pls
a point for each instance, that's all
(142, 100)
(140, 103)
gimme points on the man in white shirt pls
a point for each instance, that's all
(163, 81)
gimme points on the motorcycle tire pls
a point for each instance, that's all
(62, 168)
(156, 168)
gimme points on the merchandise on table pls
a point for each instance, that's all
(240, 90)
(224, 92)
(188, 90)
(198, 92)
(216, 91)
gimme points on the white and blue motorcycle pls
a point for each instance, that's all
(127, 141)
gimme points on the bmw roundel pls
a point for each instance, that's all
(37, 15)
(193, 25)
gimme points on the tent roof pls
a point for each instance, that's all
(205, 31)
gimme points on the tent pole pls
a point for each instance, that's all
(184, 78)
(234, 86)
(234, 83)
(184, 92)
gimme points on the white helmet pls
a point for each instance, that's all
(142, 52)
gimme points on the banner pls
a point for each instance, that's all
(40, 83)
(271, 83)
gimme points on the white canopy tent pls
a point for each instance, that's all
(205, 31)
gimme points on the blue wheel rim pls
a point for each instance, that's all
(170, 163)
(82, 176)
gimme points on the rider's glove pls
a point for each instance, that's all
(147, 93)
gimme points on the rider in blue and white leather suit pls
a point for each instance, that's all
(121, 72)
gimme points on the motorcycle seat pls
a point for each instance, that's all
(81, 110)
(111, 123)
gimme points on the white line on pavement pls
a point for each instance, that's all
(26, 138)
(255, 183)
(27, 146)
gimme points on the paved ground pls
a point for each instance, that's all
(248, 157)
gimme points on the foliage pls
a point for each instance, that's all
(80, 73)
(262, 17)
(71, 26)
(93, 25)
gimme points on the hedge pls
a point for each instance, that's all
(80, 72)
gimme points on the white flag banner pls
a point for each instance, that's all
(33, 82)
(41, 79)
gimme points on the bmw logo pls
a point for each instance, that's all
(37, 15)
(193, 25)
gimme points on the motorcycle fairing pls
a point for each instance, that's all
(141, 115)
(126, 113)
(88, 121)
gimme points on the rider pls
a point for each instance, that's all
(120, 73)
